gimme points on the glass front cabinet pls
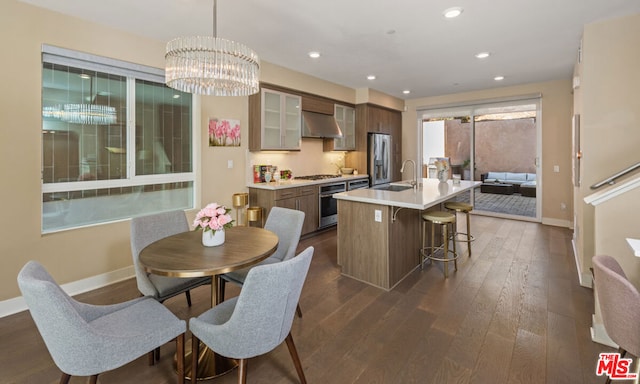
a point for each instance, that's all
(280, 121)
(346, 118)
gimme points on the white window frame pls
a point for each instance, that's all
(132, 72)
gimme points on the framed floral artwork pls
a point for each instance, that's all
(224, 133)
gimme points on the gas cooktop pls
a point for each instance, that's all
(317, 177)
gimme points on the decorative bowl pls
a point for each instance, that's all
(346, 171)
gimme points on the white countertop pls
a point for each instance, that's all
(635, 246)
(283, 184)
(430, 193)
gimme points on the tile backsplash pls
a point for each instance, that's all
(310, 160)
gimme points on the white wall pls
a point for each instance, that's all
(432, 140)
(609, 107)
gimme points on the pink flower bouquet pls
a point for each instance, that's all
(224, 133)
(214, 218)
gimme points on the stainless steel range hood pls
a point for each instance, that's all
(319, 125)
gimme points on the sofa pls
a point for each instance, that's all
(526, 181)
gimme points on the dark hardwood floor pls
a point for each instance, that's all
(513, 313)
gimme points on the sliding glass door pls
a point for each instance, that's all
(495, 143)
(448, 137)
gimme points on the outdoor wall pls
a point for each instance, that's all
(506, 146)
(501, 146)
(555, 141)
(457, 143)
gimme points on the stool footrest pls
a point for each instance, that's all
(425, 255)
(469, 238)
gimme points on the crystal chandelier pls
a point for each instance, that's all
(209, 65)
(82, 113)
(89, 114)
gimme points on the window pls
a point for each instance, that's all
(116, 142)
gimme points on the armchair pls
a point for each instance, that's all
(259, 319)
(144, 231)
(85, 339)
(287, 224)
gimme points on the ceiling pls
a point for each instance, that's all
(406, 44)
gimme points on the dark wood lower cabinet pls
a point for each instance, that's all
(304, 199)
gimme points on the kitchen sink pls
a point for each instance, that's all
(393, 187)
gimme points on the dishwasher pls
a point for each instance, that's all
(357, 184)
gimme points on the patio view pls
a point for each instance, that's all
(502, 144)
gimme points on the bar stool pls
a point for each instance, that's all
(444, 219)
(240, 201)
(254, 214)
(460, 207)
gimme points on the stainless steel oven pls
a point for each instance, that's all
(328, 206)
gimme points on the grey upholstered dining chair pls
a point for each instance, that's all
(85, 339)
(259, 319)
(619, 304)
(144, 231)
(287, 225)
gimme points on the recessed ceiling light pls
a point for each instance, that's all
(314, 54)
(176, 96)
(498, 78)
(483, 55)
(406, 91)
(371, 77)
(450, 13)
(85, 76)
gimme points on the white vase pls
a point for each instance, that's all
(443, 188)
(443, 176)
(212, 238)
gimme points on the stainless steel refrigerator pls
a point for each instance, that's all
(379, 158)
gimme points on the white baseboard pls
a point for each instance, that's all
(585, 278)
(599, 334)
(556, 222)
(17, 304)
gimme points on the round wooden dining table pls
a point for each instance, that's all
(183, 255)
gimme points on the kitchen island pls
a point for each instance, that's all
(379, 236)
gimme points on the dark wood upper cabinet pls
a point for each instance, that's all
(317, 104)
(274, 121)
(376, 119)
(308, 102)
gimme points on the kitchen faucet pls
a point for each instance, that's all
(414, 182)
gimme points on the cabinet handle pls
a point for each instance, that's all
(286, 194)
